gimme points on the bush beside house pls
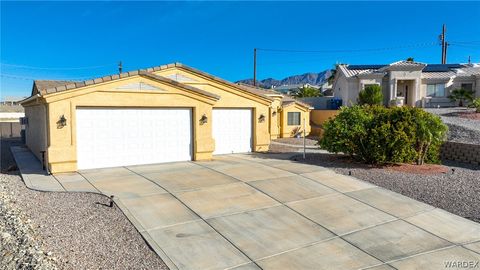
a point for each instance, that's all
(378, 135)
(371, 95)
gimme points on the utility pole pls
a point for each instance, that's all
(119, 67)
(446, 47)
(254, 66)
(442, 39)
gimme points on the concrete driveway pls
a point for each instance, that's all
(264, 212)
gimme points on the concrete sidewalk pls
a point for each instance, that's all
(267, 212)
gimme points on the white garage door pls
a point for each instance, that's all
(232, 130)
(119, 137)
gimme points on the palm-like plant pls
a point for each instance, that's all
(333, 72)
(461, 95)
(308, 92)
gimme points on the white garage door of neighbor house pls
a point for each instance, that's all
(232, 130)
(109, 137)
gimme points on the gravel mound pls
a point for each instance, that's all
(461, 129)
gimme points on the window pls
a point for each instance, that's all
(467, 86)
(435, 90)
(293, 119)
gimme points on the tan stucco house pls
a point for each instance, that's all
(407, 82)
(161, 114)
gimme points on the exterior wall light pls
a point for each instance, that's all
(261, 118)
(203, 119)
(62, 122)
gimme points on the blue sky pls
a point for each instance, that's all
(57, 40)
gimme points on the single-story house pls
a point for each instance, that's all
(407, 82)
(161, 114)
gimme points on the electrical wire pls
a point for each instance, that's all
(426, 44)
(31, 78)
(59, 68)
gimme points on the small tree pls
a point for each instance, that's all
(410, 59)
(308, 92)
(461, 95)
(371, 95)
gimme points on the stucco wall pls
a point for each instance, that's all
(318, 117)
(286, 130)
(35, 131)
(62, 154)
(230, 98)
(275, 116)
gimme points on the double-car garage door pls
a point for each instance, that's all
(109, 137)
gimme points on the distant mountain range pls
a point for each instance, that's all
(310, 78)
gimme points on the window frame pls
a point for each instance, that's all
(293, 122)
(471, 86)
(435, 90)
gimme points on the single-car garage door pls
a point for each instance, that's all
(109, 137)
(232, 130)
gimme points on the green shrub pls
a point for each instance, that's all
(375, 134)
(476, 104)
(371, 95)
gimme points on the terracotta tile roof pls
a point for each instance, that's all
(57, 86)
(429, 71)
(39, 86)
(438, 75)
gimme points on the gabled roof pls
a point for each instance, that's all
(40, 86)
(287, 101)
(173, 82)
(242, 87)
(46, 87)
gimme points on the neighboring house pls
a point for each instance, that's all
(161, 114)
(407, 83)
(291, 89)
(11, 101)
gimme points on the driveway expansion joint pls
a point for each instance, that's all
(200, 217)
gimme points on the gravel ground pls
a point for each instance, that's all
(19, 245)
(461, 129)
(78, 229)
(298, 141)
(457, 193)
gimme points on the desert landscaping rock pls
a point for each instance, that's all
(19, 247)
(80, 231)
(49, 230)
(461, 129)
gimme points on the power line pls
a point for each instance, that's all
(467, 42)
(426, 44)
(31, 78)
(59, 68)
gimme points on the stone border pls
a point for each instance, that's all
(462, 152)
